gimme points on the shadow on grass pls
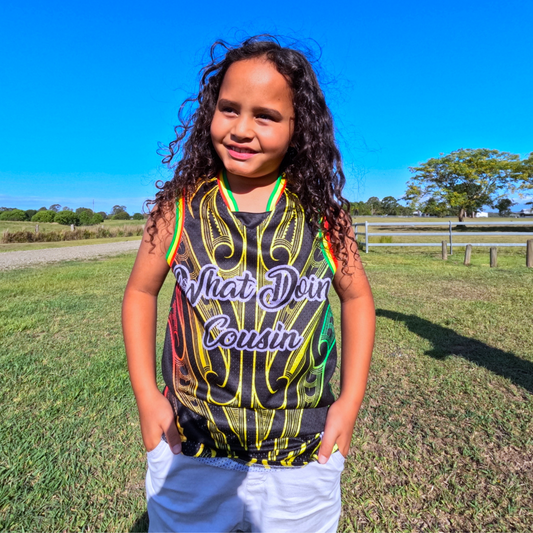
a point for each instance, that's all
(447, 342)
(140, 525)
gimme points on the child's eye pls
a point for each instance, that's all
(228, 110)
(264, 116)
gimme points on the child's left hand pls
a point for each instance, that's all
(339, 428)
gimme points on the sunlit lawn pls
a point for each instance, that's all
(443, 441)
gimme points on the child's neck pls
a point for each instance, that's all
(252, 194)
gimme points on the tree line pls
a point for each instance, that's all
(460, 183)
(374, 206)
(82, 216)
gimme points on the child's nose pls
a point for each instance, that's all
(242, 128)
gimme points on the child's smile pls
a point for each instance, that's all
(253, 122)
(240, 153)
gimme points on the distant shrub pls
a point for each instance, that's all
(14, 215)
(97, 218)
(85, 216)
(67, 235)
(30, 213)
(43, 216)
(138, 216)
(66, 218)
(103, 214)
(122, 215)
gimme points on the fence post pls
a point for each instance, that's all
(451, 240)
(468, 253)
(36, 228)
(444, 250)
(529, 253)
(366, 237)
(493, 257)
(72, 227)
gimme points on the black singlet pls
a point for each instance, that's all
(250, 343)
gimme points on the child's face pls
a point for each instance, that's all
(253, 122)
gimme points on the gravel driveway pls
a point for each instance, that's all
(11, 260)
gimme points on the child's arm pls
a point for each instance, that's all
(139, 314)
(358, 321)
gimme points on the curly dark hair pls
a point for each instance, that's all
(312, 165)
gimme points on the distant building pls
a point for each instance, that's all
(481, 214)
(526, 213)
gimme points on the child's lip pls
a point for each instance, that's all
(240, 152)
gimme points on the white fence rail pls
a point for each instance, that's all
(449, 234)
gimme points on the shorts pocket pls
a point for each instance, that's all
(338, 459)
(157, 450)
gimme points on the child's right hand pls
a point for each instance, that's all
(157, 417)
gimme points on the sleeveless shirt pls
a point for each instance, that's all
(250, 345)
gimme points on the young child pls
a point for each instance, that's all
(255, 229)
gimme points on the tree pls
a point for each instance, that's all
(121, 215)
(30, 213)
(43, 216)
(66, 218)
(85, 216)
(374, 204)
(435, 208)
(526, 172)
(389, 205)
(465, 180)
(404, 211)
(103, 214)
(97, 219)
(359, 209)
(14, 215)
(118, 209)
(54, 207)
(503, 205)
(137, 216)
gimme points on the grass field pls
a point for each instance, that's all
(54, 226)
(459, 236)
(21, 246)
(444, 438)
(524, 225)
(59, 236)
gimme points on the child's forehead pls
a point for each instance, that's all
(255, 75)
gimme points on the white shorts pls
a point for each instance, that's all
(187, 495)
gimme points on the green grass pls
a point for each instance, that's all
(459, 236)
(21, 246)
(54, 226)
(443, 441)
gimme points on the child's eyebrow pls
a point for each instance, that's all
(228, 103)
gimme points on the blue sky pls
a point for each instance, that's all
(88, 89)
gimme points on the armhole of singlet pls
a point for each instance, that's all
(178, 230)
(327, 250)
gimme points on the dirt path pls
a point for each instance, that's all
(11, 260)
